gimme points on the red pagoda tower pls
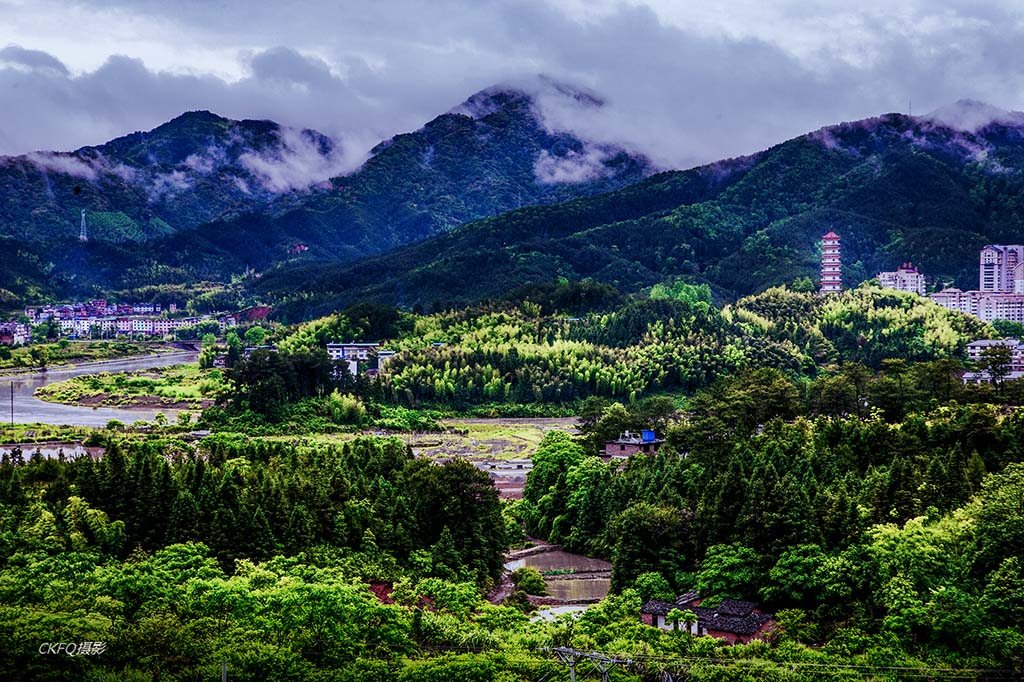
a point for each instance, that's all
(831, 265)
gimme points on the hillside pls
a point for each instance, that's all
(139, 187)
(208, 196)
(930, 189)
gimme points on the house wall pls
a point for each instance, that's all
(627, 449)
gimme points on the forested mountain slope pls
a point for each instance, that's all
(896, 188)
(205, 197)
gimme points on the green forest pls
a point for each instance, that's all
(821, 457)
(887, 548)
(894, 188)
(556, 347)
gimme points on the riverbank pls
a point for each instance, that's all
(57, 356)
(23, 407)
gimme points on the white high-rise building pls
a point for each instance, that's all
(997, 266)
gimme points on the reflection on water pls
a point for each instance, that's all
(71, 450)
(567, 586)
(552, 612)
(585, 588)
(560, 561)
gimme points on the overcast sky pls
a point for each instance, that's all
(684, 81)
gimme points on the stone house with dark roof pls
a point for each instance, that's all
(733, 621)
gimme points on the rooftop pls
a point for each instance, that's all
(985, 343)
(630, 438)
(732, 615)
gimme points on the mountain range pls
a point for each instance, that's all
(206, 197)
(485, 199)
(930, 189)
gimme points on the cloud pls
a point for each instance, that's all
(90, 167)
(298, 162)
(971, 116)
(206, 162)
(63, 163)
(287, 66)
(573, 167)
(169, 183)
(18, 57)
(684, 83)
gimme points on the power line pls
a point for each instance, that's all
(599, 663)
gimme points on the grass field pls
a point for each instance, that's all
(471, 438)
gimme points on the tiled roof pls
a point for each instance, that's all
(984, 343)
(712, 619)
(735, 607)
(657, 607)
(732, 615)
(687, 597)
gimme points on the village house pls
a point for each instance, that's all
(350, 351)
(733, 621)
(14, 334)
(383, 355)
(630, 443)
(351, 354)
(249, 350)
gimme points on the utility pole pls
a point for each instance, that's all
(83, 234)
(12, 403)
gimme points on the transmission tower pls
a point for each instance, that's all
(83, 235)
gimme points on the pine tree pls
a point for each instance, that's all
(444, 556)
(184, 519)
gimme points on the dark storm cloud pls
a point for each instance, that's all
(682, 94)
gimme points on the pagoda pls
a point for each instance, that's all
(831, 264)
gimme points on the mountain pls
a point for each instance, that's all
(139, 187)
(931, 189)
(489, 155)
(210, 197)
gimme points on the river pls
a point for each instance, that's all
(30, 410)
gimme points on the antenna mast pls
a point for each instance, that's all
(83, 235)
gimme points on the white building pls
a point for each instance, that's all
(953, 299)
(383, 355)
(350, 351)
(905, 278)
(997, 266)
(142, 325)
(983, 305)
(975, 349)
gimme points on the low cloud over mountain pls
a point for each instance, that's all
(681, 83)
